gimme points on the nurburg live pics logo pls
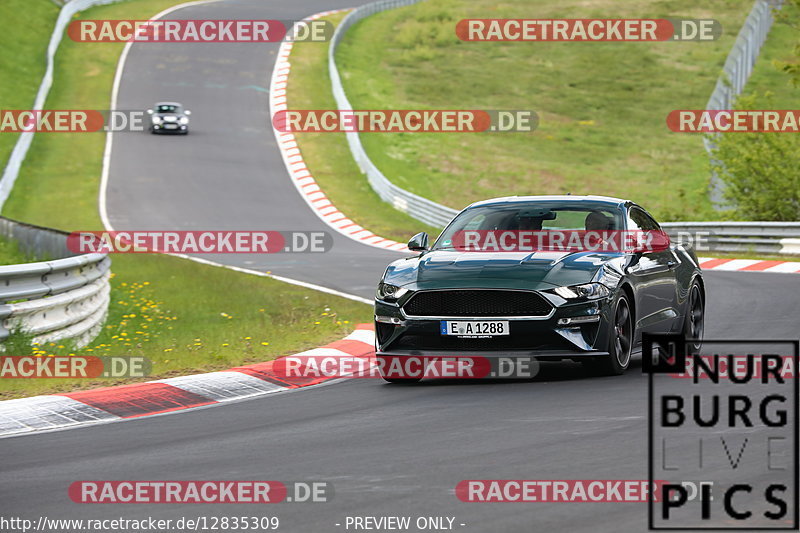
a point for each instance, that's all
(729, 427)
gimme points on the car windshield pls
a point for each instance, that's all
(531, 216)
(167, 108)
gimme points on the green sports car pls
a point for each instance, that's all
(540, 277)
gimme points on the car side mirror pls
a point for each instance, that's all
(187, 112)
(419, 242)
(149, 111)
(651, 241)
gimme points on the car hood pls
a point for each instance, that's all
(510, 270)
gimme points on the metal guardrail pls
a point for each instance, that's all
(738, 67)
(777, 238)
(743, 56)
(418, 207)
(65, 298)
(20, 150)
(55, 300)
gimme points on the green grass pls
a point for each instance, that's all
(602, 106)
(327, 155)
(189, 318)
(10, 253)
(184, 316)
(22, 57)
(62, 170)
(766, 76)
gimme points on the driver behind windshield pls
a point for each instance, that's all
(597, 221)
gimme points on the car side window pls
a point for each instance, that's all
(639, 220)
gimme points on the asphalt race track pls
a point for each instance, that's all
(392, 449)
(227, 174)
(387, 450)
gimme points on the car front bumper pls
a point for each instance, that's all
(551, 337)
(161, 128)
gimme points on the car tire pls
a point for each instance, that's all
(694, 322)
(620, 342)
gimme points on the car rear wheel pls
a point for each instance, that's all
(694, 323)
(620, 342)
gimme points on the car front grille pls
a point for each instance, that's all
(447, 342)
(477, 303)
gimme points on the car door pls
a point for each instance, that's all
(654, 279)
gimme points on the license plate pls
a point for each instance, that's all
(474, 328)
(170, 126)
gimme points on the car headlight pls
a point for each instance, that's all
(389, 293)
(587, 291)
(183, 120)
(156, 120)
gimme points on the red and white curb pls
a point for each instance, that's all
(749, 265)
(112, 404)
(296, 166)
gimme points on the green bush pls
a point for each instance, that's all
(761, 171)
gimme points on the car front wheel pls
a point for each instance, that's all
(620, 342)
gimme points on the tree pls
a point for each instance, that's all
(788, 14)
(761, 171)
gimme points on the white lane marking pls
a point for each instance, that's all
(290, 281)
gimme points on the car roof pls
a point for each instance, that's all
(588, 200)
(169, 103)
